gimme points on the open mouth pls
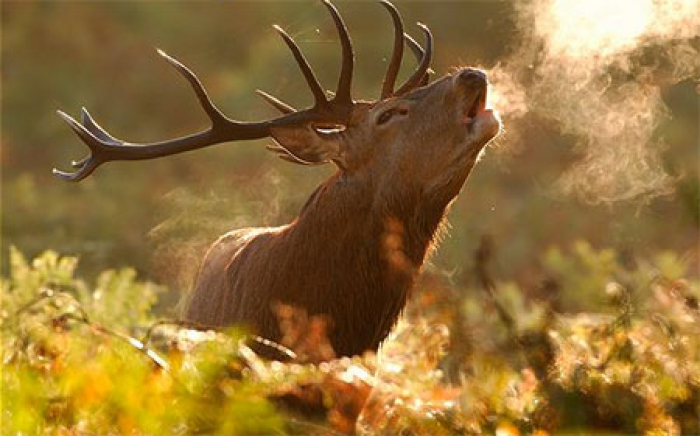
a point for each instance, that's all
(478, 105)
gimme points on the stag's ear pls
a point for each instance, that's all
(309, 145)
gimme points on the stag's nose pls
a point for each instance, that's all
(472, 77)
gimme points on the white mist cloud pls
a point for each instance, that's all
(582, 65)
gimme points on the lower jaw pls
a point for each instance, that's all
(486, 125)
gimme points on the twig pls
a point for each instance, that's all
(204, 327)
(274, 345)
(135, 343)
(176, 322)
(48, 295)
(45, 295)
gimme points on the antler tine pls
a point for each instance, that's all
(90, 124)
(309, 75)
(418, 52)
(343, 93)
(87, 168)
(417, 76)
(286, 155)
(276, 102)
(87, 165)
(416, 49)
(397, 53)
(104, 147)
(212, 111)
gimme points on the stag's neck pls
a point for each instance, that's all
(356, 217)
(362, 250)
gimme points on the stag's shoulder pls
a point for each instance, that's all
(229, 244)
(212, 281)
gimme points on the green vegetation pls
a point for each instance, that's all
(72, 363)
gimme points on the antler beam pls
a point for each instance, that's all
(105, 147)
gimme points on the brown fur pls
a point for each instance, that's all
(356, 247)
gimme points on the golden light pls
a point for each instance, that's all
(582, 29)
(565, 68)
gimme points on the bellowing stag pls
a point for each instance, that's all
(355, 249)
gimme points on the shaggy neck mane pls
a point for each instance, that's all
(345, 211)
(373, 246)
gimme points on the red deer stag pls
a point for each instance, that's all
(354, 251)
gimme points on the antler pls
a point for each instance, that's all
(393, 71)
(105, 147)
(419, 53)
(421, 75)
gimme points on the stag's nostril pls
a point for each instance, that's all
(471, 76)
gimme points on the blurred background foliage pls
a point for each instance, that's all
(158, 216)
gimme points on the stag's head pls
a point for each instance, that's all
(421, 135)
(427, 139)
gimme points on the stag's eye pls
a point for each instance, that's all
(389, 113)
(329, 129)
(385, 117)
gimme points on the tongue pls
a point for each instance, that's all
(475, 109)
